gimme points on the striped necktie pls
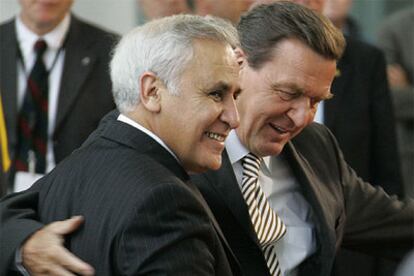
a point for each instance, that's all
(267, 224)
(33, 118)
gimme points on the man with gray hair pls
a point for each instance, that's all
(175, 81)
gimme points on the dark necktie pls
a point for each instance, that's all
(33, 118)
(267, 224)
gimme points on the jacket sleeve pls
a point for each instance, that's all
(375, 223)
(19, 219)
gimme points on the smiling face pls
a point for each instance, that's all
(42, 16)
(280, 98)
(195, 123)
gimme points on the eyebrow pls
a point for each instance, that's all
(224, 86)
(220, 86)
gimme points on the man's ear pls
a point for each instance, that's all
(240, 56)
(150, 95)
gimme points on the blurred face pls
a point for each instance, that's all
(316, 5)
(162, 8)
(196, 122)
(42, 16)
(337, 10)
(228, 9)
(281, 97)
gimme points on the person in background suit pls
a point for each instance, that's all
(79, 87)
(396, 39)
(154, 221)
(288, 57)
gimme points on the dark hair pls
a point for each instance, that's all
(264, 26)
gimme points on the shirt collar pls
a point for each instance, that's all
(236, 150)
(54, 38)
(131, 122)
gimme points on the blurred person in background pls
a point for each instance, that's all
(54, 83)
(396, 39)
(153, 9)
(229, 9)
(338, 11)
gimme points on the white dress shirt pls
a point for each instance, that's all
(319, 116)
(131, 122)
(285, 198)
(54, 39)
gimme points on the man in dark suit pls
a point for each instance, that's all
(77, 59)
(155, 221)
(288, 61)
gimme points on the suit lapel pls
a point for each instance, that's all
(129, 136)
(79, 61)
(224, 182)
(8, 72)
(309, 184)
(344, 72)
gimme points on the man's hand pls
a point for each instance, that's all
(44, 254)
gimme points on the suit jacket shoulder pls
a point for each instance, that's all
(142, 216)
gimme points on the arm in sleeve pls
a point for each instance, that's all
(376, 223)
(19, 219)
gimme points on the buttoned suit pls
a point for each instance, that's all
(143, 216)
(85, 90)
(346, 210)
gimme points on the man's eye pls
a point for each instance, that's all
(288, 96)
(216, 95)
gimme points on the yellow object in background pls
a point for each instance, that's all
(3, 141)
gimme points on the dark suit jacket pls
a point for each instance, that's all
(346, 209)
(142, 214)
(85, 91)
(361, 116)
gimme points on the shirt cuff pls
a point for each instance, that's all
(18, 262)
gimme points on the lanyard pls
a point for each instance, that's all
(26, 70)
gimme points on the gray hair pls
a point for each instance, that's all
(164, 47)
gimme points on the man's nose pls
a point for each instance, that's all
(230, 114)
(300, 111)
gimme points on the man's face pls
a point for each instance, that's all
(281, 97)
(44, 14)
(196, 122)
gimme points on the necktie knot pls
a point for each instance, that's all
(251, 165)
(40, 47)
